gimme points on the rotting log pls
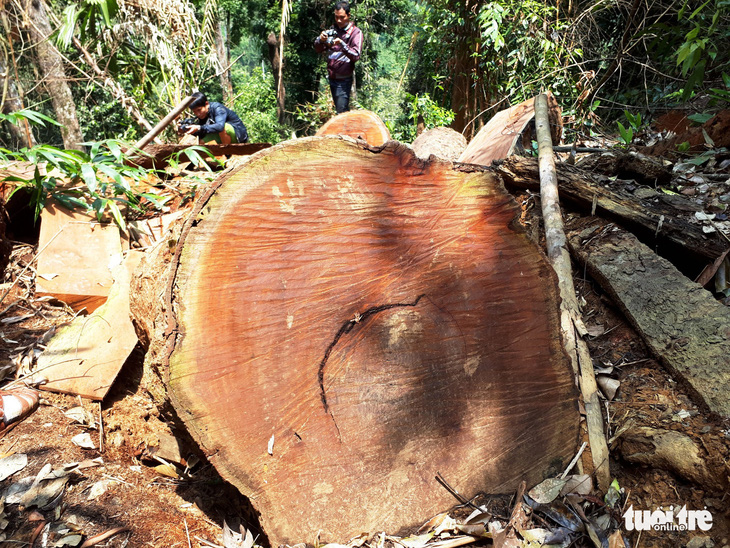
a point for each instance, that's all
(334, 338)
(442, 142)
(157, 156)
(682, 324)
(663, 222)
(358, 124)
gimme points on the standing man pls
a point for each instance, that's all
(216, 123)
(343, 42)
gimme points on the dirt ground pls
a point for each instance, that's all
(124, 487)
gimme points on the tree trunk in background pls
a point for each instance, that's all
(10, 99)
(221, 46)
(463, 95)
(51, 65)
(275, 60)
(10, 102)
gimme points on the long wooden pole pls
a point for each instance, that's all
(572, 324)
(162, 124)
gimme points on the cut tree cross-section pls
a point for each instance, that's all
(352, 321)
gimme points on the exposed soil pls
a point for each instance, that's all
(161, 511)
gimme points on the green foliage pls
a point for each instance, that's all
(702, 44)
(100, 179)
(30, 115)
(627, 133)
(504, 49)
(255, 103)
(195, 154)
(420, 107)
(700, 117)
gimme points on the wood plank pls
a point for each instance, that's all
(86, 356)
(358, 124)
(499, 138)
(683, 325)
(75, 252)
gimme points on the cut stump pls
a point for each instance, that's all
(442, 142)
(343, 335)
(358, 124)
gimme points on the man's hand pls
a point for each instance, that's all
(192, 130)
(323, 37)
(337, 42)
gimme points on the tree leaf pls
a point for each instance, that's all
(88, 173)
(700, 117)
(116, 214)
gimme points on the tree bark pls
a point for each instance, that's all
(340, 323)
(275, 60)
(10, 99)
(571, 319)
(51, 65)
(221, 46)
(683, 325)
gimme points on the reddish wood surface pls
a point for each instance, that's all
(358, 124)
(375, 319)
(498, 138)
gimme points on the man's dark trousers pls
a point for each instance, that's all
(340, 89)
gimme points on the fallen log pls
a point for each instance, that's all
(663, 224)
(335, 338)
(358, 124)
(158, 156)
(682, 324)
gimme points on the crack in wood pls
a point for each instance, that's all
(346, 328)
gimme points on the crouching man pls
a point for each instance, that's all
(216, 123)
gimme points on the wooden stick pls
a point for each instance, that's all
(92, 541)
(162, 124)
(572, 325)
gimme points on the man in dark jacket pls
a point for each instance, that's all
(343, 43)
(217, 124)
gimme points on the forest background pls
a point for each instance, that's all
(110, 69)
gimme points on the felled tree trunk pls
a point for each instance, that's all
(661, 221)
(358, 124)
(340, 323)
